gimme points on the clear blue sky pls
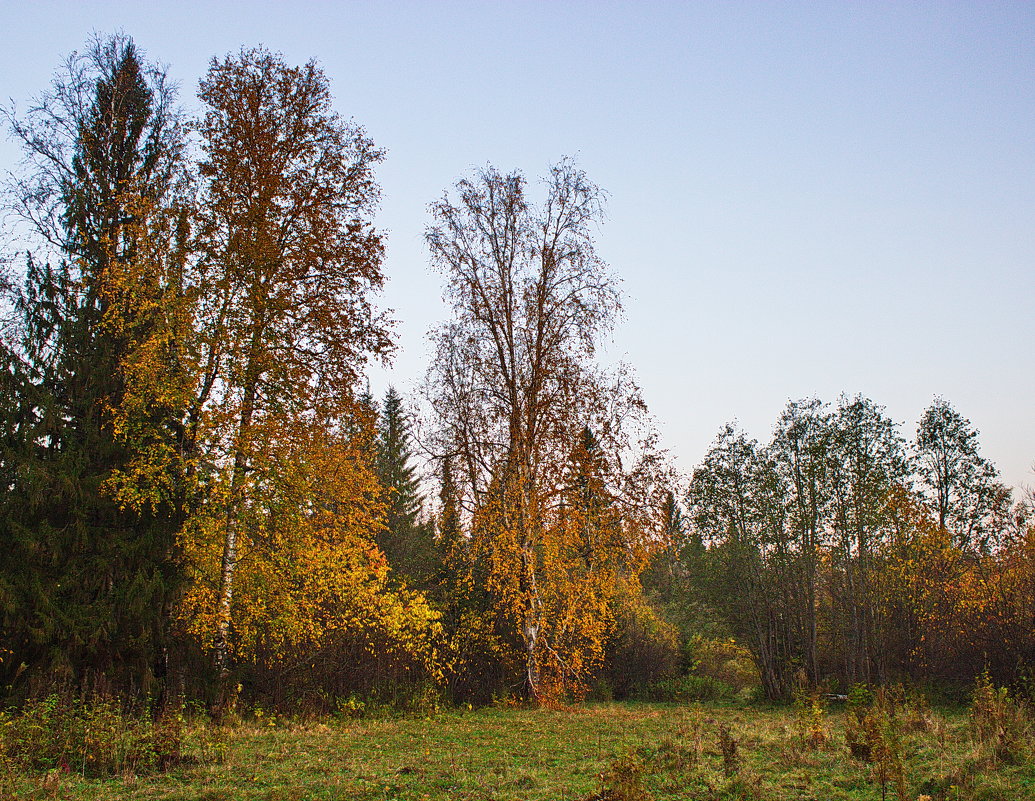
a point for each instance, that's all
(806, 198)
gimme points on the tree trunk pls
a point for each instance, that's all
(222, 655)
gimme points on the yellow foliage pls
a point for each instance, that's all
(307, 569)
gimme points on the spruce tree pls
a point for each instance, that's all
(91, 516)
(407, 540)
(451, 541)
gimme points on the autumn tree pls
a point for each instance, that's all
(287, 324)
(102, 374)
(514, 385)
(963, 488)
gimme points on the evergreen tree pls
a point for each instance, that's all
(407, 540)
(94, 425)
(450, 531)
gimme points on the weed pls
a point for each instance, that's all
(623, 781)
(605, 752)
(685, 689)
(90, 738)
(918, 716)
(874, 735)
(810, 718)
(421, 700)
(999, 722)
(859, 701)
(731, 760)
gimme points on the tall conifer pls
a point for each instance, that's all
(408, 541)
(91, 517)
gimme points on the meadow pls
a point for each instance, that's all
(594, 752)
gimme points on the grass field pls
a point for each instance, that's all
(601, 751)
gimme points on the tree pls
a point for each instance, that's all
(407, 540)
(735, 500)
(962, 487)
(513, 384)
(287, 325)
(102, 372)
(867, 466)
(803, 530)
(799, 453)
(450, 534)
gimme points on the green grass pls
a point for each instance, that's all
(634, 751)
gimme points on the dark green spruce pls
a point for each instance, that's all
(86, 581)
(408, 540)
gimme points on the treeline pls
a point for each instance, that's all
(840, 554)
(200, 499)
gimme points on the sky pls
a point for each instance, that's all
(806, 199)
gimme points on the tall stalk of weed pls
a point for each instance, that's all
(731, 759)
(999, 722)
(623, 781)
(873, 734)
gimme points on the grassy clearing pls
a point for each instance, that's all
(607, 752)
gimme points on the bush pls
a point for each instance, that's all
(623, 781)
(686, 689)
(643, 648)
(999, 721)
(874, 734)
(91, 738)
(419, 699)
(721, 659)
(809, 718)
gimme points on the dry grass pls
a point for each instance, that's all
(612, 751)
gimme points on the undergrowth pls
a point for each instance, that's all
(99, 737)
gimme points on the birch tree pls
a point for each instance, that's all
(287, 324)
(514, 385)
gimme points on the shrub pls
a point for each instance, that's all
(95, 738)
(686, 689)
(731, 759)
(721, 659)
(419, 699)
(809, 718)
(999, 721)
(623, 781)
(643, 647)
(873, 733)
